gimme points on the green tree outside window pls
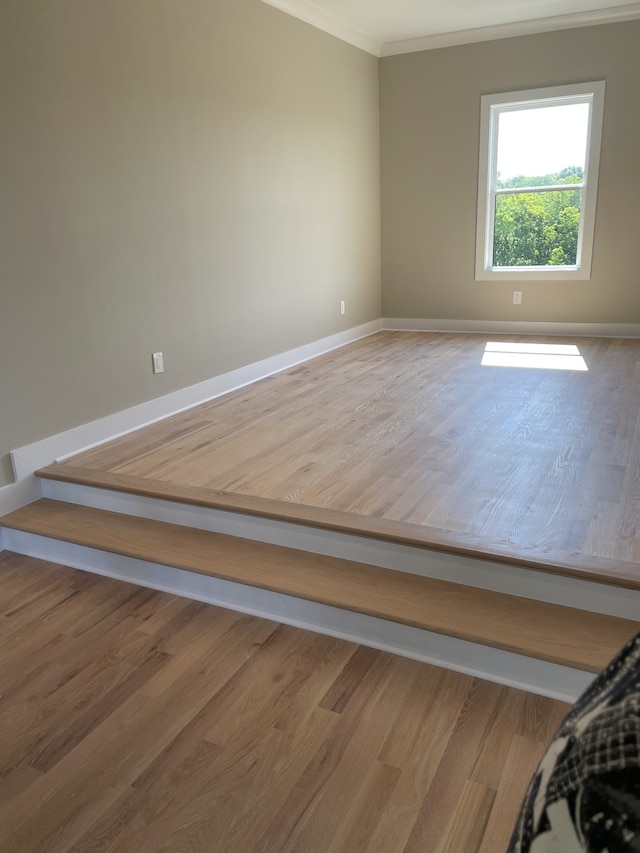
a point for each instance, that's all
(538, 228)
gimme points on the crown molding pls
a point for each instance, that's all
(308, 12)
(613, 15)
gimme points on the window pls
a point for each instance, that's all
(538, 176)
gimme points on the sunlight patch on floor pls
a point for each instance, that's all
(543, 356)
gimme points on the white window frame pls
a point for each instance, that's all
(491, 107)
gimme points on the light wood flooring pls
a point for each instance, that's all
(411, 430)
(536, 629)
(133, 720)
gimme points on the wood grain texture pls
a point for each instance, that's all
(520, 765)
(154, 723)
(408, 430)
(549, 632)
(465, 544)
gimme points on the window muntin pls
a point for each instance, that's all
(539, 158)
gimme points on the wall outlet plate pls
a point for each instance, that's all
(157, 361)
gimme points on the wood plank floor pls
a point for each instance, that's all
(537, 629)
(411, 428)
(133, 720)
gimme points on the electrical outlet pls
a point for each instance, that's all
(517, 297)
(342, 306)
(158, 362)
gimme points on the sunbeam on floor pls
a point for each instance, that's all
(542, 356)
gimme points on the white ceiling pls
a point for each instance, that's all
(385, 27)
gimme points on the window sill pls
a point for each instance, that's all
(533, 274)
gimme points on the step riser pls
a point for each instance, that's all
(526, 583)
(503, 667)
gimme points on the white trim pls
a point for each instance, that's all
(328, 23)
(310, 13)
(492, 107)
(511, 327)
(524, 673)
(19, 494)
(595, 17)
(29, 458)
(483, 574)
(14, 496)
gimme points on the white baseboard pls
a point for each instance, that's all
(513, 327)
(16, 495)
(29, 458)
(536, 676)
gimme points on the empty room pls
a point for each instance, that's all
(319, 425)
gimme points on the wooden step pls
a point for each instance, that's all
(562, 635)
(567, 564)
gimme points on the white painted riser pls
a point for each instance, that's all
(503, 667)
(484, 574)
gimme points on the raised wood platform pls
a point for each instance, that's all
(553, 561)
(561, 635)
(396, 492)
(416, 429)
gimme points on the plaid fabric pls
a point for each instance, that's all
(585, 794)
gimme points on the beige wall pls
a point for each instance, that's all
(430, 110)
(202, 178)
(190, 176)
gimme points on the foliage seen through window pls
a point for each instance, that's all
(538, 228)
